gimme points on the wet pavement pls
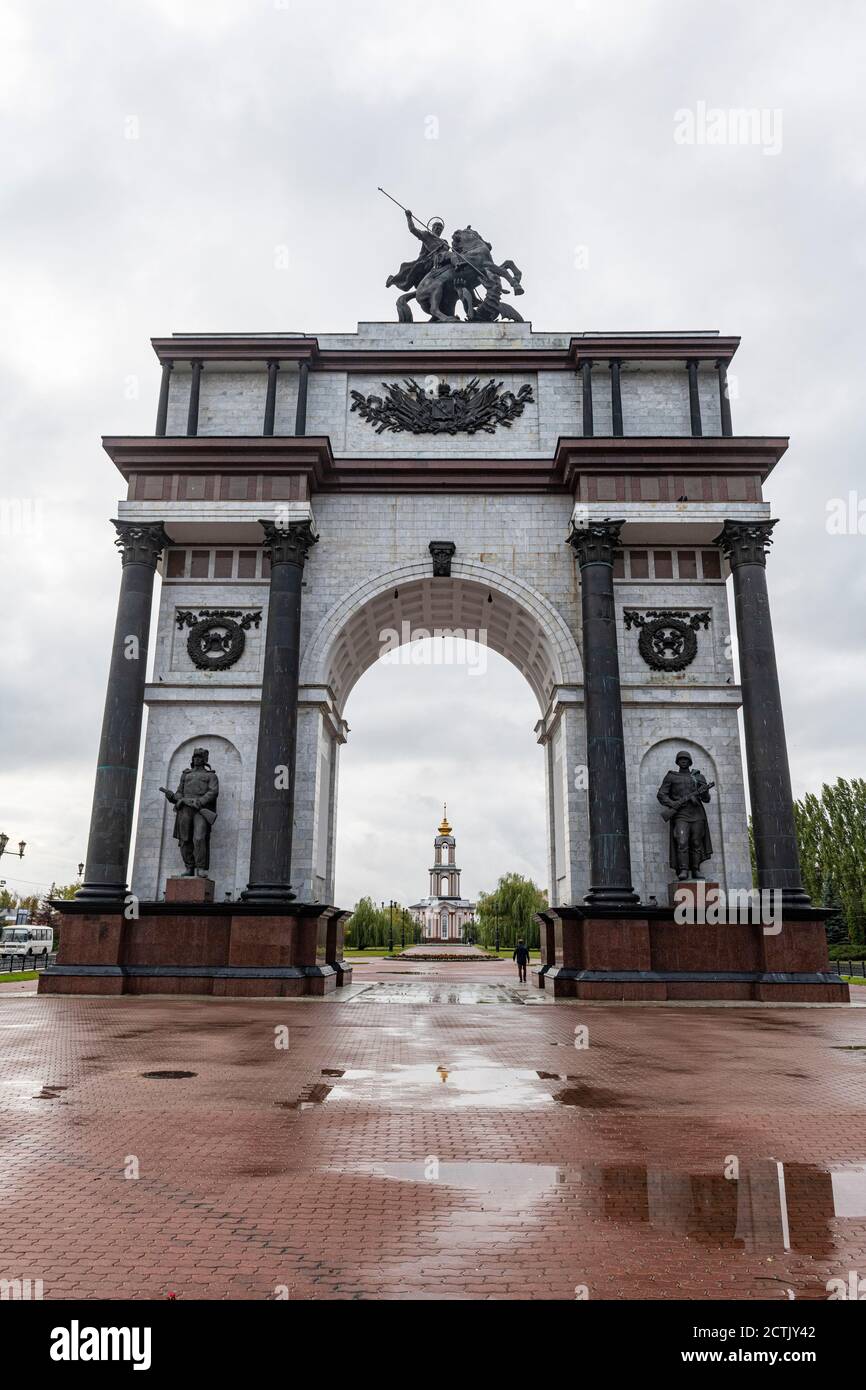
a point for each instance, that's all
(430, 1136)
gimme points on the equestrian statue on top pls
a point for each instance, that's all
(442, 276)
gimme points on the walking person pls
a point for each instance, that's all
(521, 955)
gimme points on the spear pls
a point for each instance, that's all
(427, 225)
(400, 205)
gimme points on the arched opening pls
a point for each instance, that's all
(412, 625)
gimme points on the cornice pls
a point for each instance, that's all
(312, 456)
(229, 347)
(262, 348)
(652, 348)
(705, 454)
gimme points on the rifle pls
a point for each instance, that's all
(669, 812)
(209, 815)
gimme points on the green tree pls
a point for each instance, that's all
(511, 906)
(831, 830)
(370, 926)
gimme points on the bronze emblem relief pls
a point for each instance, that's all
(444, 410)
(217, 636)
(668, 637)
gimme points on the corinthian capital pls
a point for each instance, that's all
(595, 542)
(745, 542)
(288, 542)
(140, 542)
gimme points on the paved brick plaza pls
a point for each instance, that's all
(310, 1170)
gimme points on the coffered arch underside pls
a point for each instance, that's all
(502, 612)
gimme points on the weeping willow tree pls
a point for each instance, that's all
(831, 830)
(510, 907)
(370, 926)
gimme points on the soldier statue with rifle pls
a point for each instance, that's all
(194, 812)
(683, 794)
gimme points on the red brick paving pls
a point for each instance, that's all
(265, 1172)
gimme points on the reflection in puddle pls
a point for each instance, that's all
(590, 1097)
(438, 994)
(770, 1206)
(453, 1085)
(50, 1092)
(314, 1094)
(849, 1191)
(517, 1182)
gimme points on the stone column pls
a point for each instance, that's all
(724, 398)
(274, 796)
(694, 397)
(162, 407)
(271, 397)
(745, 544)
(609, 850)
(194, 392)
(301, 409)
(586, 395)
(141, 545)
(615, 397)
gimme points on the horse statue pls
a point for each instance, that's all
(454, 278)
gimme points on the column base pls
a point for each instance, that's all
(611, 897)
(101, 893)
(199, 948)
(267, 893)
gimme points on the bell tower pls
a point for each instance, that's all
(444, 915)
(444, 873)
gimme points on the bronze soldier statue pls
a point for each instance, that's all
(194, 813)
(682, 794)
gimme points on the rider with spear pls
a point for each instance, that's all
(436, 248)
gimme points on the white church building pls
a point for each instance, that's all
(444, 915)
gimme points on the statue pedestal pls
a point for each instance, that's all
(695, 895)
(189, 890)
(250, 950)
(641, 952)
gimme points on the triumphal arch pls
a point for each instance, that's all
(578, 500)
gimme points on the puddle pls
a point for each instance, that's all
(515, 1182)
(438, 994)
(770, 1208)
(167, 1075)
(441, 1084)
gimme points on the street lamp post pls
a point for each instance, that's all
(403, 929)
(391, 927)
(4, 840)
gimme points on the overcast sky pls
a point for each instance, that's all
(156, 153)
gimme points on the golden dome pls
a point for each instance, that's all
(444, 827)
